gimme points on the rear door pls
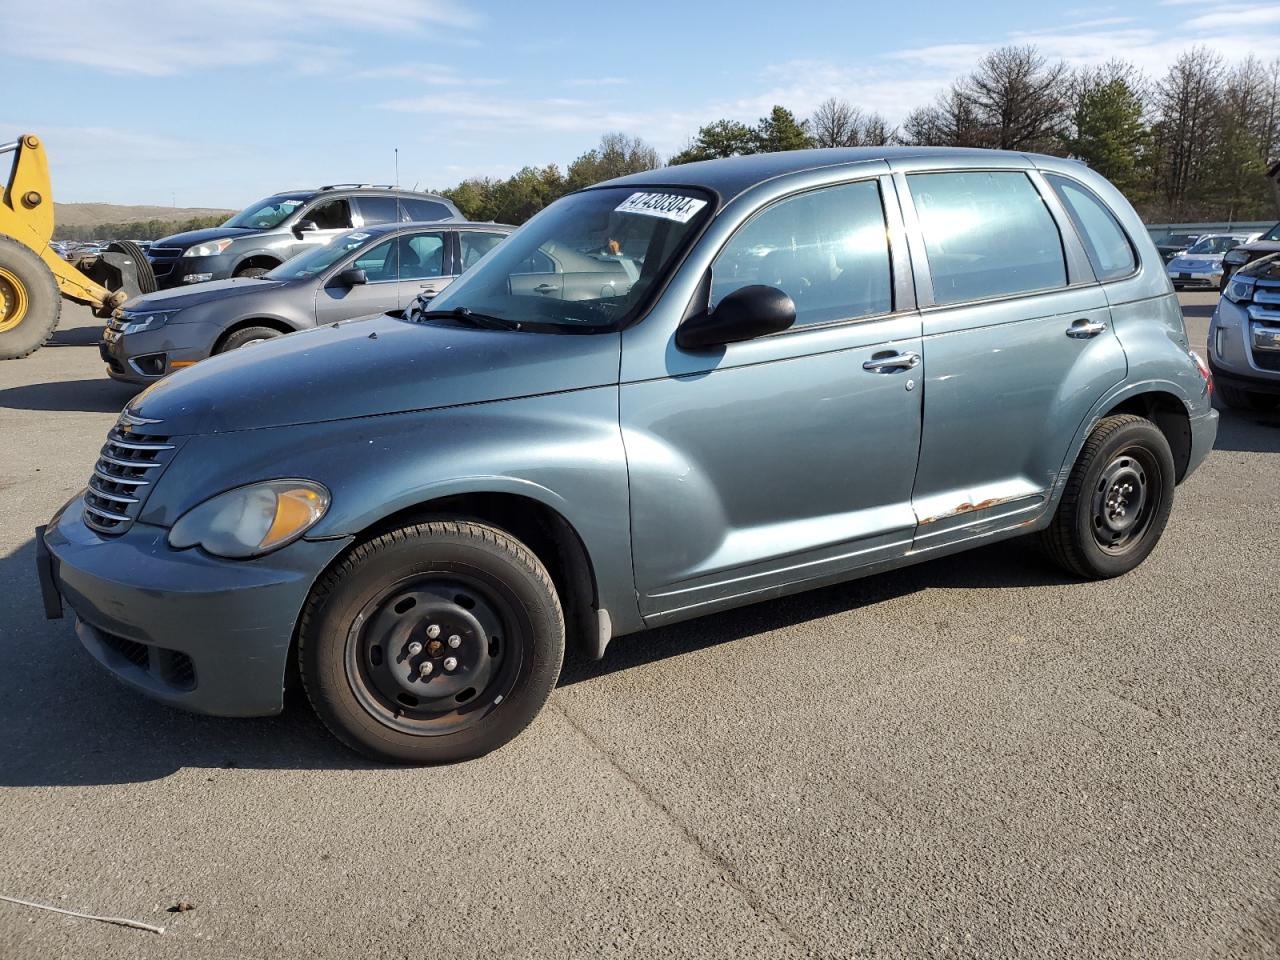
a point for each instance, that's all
(1018, 347)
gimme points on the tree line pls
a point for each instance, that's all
(137, 229)
(1193, 144)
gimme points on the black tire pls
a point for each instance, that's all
(246, 335)
(249, 272)
(1085, 536)
(1238, 399)
(25, 277)
(141, 265)
(358, 666)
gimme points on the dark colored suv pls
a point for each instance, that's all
(1246, 253)
(265, 234)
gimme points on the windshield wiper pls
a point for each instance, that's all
(469, 316)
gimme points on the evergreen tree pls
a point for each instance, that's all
(723, 138)
(1108, 130)
(780, 130)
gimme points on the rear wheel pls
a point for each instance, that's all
(1117, 500)
(433, 643)
(245, 336)
(29, 301)
(1239, 399)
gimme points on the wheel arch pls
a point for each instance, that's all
(275, 323)
(1167, 412)
(537, 524)
(256, 258)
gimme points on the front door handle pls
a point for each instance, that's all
(545, 288)
(899, 361)
(1084, 329)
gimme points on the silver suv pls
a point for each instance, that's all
(1244, 337)
(265, 234)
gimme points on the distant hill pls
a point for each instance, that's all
(92, 214)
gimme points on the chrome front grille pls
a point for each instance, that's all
(127, 467)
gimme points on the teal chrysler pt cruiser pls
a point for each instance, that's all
(673, 393)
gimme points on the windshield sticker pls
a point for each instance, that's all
(668, 206)
(358, 236)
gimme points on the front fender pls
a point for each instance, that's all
(562, 450)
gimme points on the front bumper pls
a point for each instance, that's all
(186, 628)
(148, 356)
(1195, 277)
(1242, 351)
(174, 271)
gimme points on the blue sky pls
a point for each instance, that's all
(218, 103)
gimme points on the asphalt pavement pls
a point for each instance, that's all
(974, 757)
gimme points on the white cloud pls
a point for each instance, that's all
(199, 34)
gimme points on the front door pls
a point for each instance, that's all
(788, 459)
(378, 294)
(331, 216)
(1017, 351)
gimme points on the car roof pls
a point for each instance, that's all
(729, 176)
(381, 229)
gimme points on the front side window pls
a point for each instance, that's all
(331, 215)
(986, 234)
(827, 249)
(587, 262)
(1105, 242)
(380, 262)
(380, 210)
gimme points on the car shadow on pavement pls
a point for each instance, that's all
(79, 396)
(1199, 309)
(1248, 431)
(84, 336)
(1010, 563)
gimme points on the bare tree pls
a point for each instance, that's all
(876, 131)
(836, 123)
(1184, 105)
(1019, 99)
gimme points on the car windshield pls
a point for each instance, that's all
(1213, 245)
(319, 259)
(265, 214)
(1272, 234)
(1179, 240)
(585, 263)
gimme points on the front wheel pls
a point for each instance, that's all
(1117, 500)
(432, 643)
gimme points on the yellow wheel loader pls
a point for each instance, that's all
(34, 278)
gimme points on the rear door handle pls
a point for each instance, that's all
(545, 287)
(1084, 329)
(899, 361)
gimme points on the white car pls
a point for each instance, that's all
(1200, 265)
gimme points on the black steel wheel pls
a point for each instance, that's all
(1117, 500)
(432, 643)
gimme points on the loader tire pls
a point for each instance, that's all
(142, 266)
(29, 302)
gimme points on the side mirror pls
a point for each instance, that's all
(350, 277)
(745, 314)
(304, 226)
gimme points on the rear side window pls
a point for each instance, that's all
(331, 215)
(476, 244)
(415, 209)
(1104, 239)
(987, 234)
(827, 249)
(379, 210)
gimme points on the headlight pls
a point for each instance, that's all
(141, 321)
(253, 520)
(210, 249)
(1238, 291)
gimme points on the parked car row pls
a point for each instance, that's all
(673, 393)
(1200, 264)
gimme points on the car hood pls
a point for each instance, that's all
(1260, 246)
(180, 298)
(192, 237)
(370, 367)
